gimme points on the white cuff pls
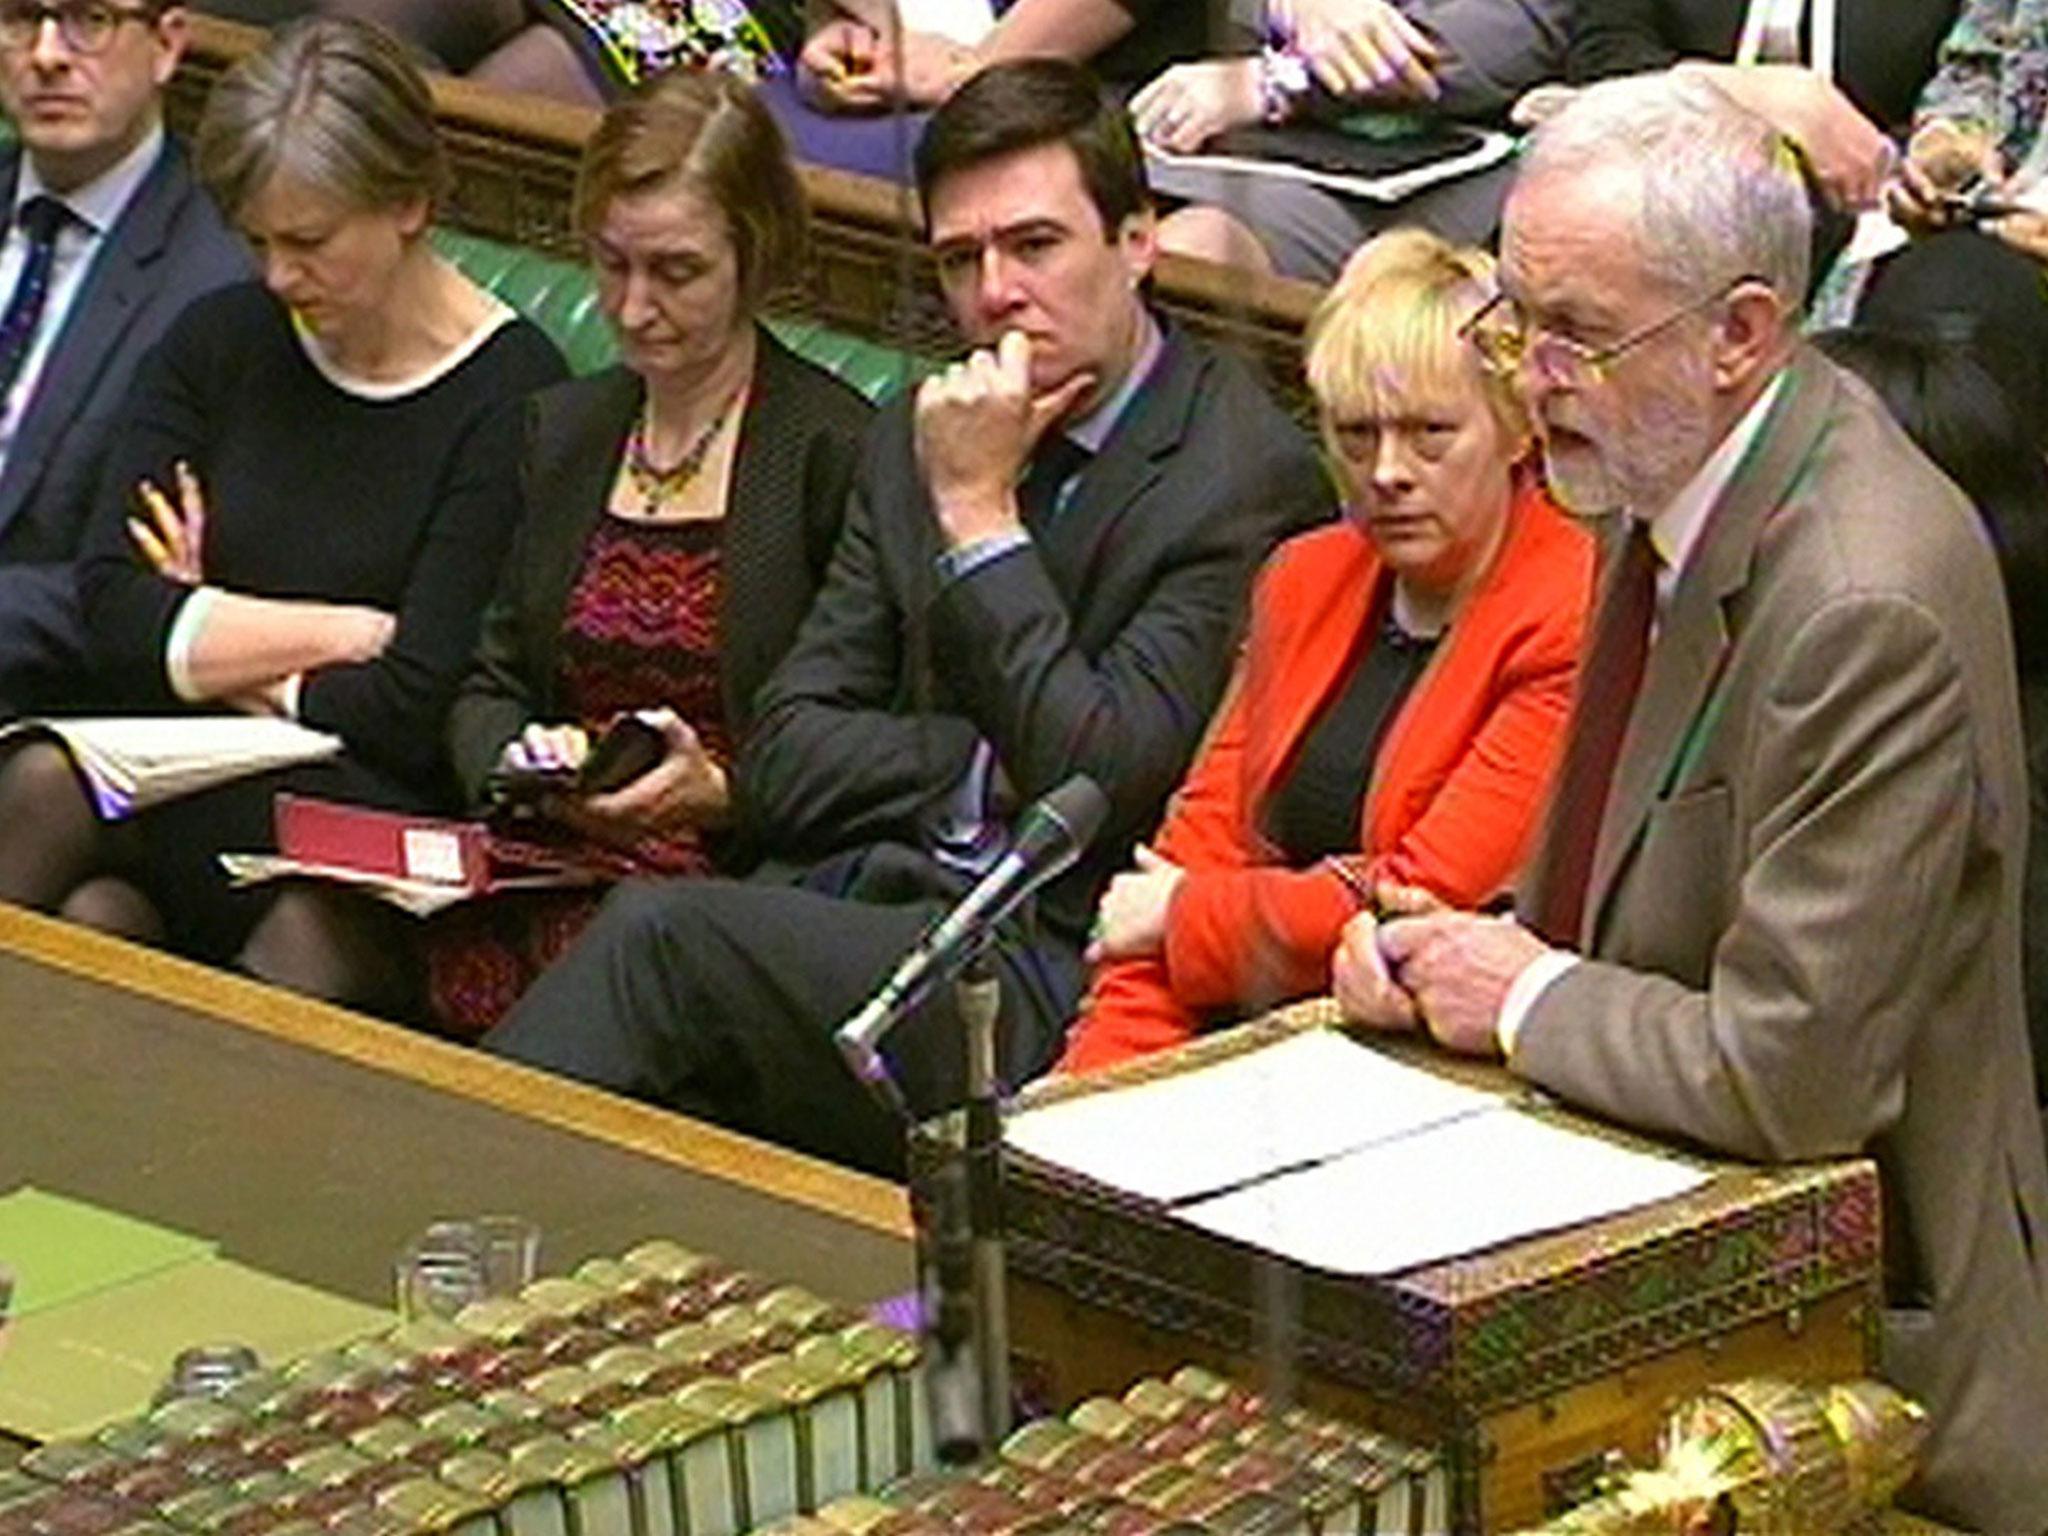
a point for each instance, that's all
(1528, 985)
(288, 695)
(184, 635)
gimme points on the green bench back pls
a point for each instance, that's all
(561, 298)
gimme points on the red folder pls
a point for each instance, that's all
(461, 854)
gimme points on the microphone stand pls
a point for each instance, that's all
(978, 995)
(966, 1304)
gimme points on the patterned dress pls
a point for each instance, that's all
(1993, 72)
(640, 629)
(632, 40)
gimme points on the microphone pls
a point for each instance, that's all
(1051, 835)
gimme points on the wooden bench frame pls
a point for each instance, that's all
(515, 162)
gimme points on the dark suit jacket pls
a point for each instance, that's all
(1885, 52)
(168, 247)
(1804, 910)
(790, 477)
(1101, 647)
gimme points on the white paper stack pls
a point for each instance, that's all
(134, 762)
(1329, 1152)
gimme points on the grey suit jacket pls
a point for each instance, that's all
(1804, 913)
(168, 247)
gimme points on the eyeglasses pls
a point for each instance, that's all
(1508, 343)
(87, 26)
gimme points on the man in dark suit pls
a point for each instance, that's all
(1780, 881)
(1042, 572)
(108, 238)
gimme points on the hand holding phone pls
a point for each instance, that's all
(545, 760)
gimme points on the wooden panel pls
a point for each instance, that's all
(1068, 1350)
(515, 158)
(313, 1142)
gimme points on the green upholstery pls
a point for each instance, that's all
(560, 298)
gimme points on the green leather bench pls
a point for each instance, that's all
(561, 298)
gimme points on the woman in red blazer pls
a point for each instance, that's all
(1401, 699)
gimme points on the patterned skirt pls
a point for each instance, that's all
(628, 41)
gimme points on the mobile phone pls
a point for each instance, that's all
(629, 747)
(1975, 207)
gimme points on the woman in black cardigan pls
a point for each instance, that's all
(678, 515)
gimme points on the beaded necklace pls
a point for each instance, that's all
(657, 486)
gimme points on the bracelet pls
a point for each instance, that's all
(1283, 81)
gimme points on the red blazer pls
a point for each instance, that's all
(1454, 795)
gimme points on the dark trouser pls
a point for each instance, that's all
(719, 998)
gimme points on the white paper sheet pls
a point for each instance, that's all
(965, 22)
(1308, 1097)
(1452, 1188)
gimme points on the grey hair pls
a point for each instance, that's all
(1721, 197)
(334, 102)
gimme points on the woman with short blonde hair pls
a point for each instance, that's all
(1400, 703)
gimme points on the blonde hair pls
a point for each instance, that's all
(333, 102)
(1389, 326)
(708, 131)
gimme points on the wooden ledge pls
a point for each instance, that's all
(666, 1137)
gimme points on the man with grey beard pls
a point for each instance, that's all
(1776, 906)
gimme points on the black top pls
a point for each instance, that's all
(1885, 48)
(1313, 811)
(402, 503)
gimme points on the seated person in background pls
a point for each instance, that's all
(106, 225)
(1953, 408)
(1042, 572)
(1844, 100)
(1402, 696)
(1979, 277)
(1460, 59)
(864, 57)
(585, 50)
(305, 505)
(680, 511)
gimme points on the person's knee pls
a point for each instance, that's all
(40, 777)
(669, 919)
(336, 947)
(110, 905)
(539, 61)
(52, 837)
(1209, 233)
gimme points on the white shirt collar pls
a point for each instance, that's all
(1675, 531)
(100, 201)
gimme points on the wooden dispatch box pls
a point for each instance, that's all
(1531, 1366)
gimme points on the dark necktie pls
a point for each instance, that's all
(40, 219)
(1057, 460)
(1609, 678)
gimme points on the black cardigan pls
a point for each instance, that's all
(790, 477)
